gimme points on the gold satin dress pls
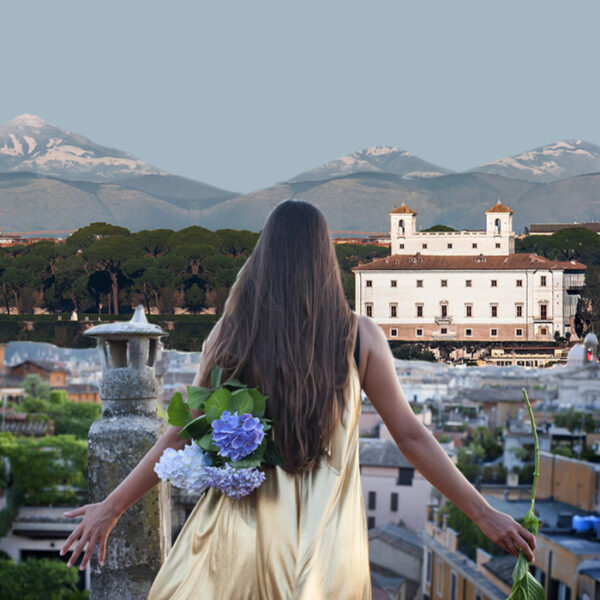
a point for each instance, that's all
(298, 536)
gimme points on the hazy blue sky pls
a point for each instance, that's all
(244, 94)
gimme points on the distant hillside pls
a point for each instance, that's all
(51, 178)
(31, 202)
(28, 143)
(362, 202)
(548, 163)
(377, 159)
(181, 191)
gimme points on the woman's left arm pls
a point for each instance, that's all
(381, 385)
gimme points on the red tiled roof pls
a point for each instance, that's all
(499, 208)
(403, 209)
(418, 262)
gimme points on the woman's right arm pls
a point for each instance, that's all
(100, 518)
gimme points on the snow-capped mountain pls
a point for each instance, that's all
(548, 163)
(377, 159)
(28, 143)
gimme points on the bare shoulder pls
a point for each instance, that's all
(371, 335)
(372, 344)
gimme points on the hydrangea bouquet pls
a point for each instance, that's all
(230, 439)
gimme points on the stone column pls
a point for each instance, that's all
(129, 427)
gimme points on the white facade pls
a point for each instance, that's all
(498, 238)
(466, 296)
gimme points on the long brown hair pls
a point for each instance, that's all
(287, 328)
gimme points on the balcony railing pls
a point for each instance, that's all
(443, 320)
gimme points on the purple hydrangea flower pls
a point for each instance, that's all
(235, 483)
(237, 436)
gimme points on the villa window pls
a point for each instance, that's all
(393, 333)
(394, 502)
(543, 311)
(449, 246)
(519, 310)
(394, 283)
(468, 332)
(497, 244)
(419, 310)
(444, 309)
(494, 283)
(419, 333)
(493, 332)
(444, 330)
(494, 308)
(393, 310)
(444, 283)
(424, 246)
(369, 283)
(369, 310)
(519, 283)
(370, 522)
(468, 283)
(468, 310)
(401, 246)
(474, 245)
(519, 332)
(543, 281)
(543, 331)
(419, 283)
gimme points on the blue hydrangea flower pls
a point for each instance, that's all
(237, 436)
(235, 483)
(184, 468)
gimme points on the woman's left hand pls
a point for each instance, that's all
(504, 531)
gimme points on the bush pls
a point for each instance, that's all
(34, 579)
(51, 470)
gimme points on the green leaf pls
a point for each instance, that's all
(527, 588)
(215, 376)
(234, 383)
(520, 570)
(259, 402)
(531, 522)
(178, 412)
(252, 460)
(206, 443)
(240, 401)
(216, 404)
(197, 428)
(197, 396)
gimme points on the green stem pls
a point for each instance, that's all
(536, 471)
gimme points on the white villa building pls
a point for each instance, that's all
(467, 285)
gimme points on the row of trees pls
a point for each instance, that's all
(104, 268)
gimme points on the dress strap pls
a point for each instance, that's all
(357, 348)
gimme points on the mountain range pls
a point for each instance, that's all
(53, 179)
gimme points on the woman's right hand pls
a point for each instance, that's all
(98, 521)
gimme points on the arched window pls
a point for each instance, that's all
(497, 225)
(401, 226)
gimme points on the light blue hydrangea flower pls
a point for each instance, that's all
(235, 483)
(237, 436)
(184, 468)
